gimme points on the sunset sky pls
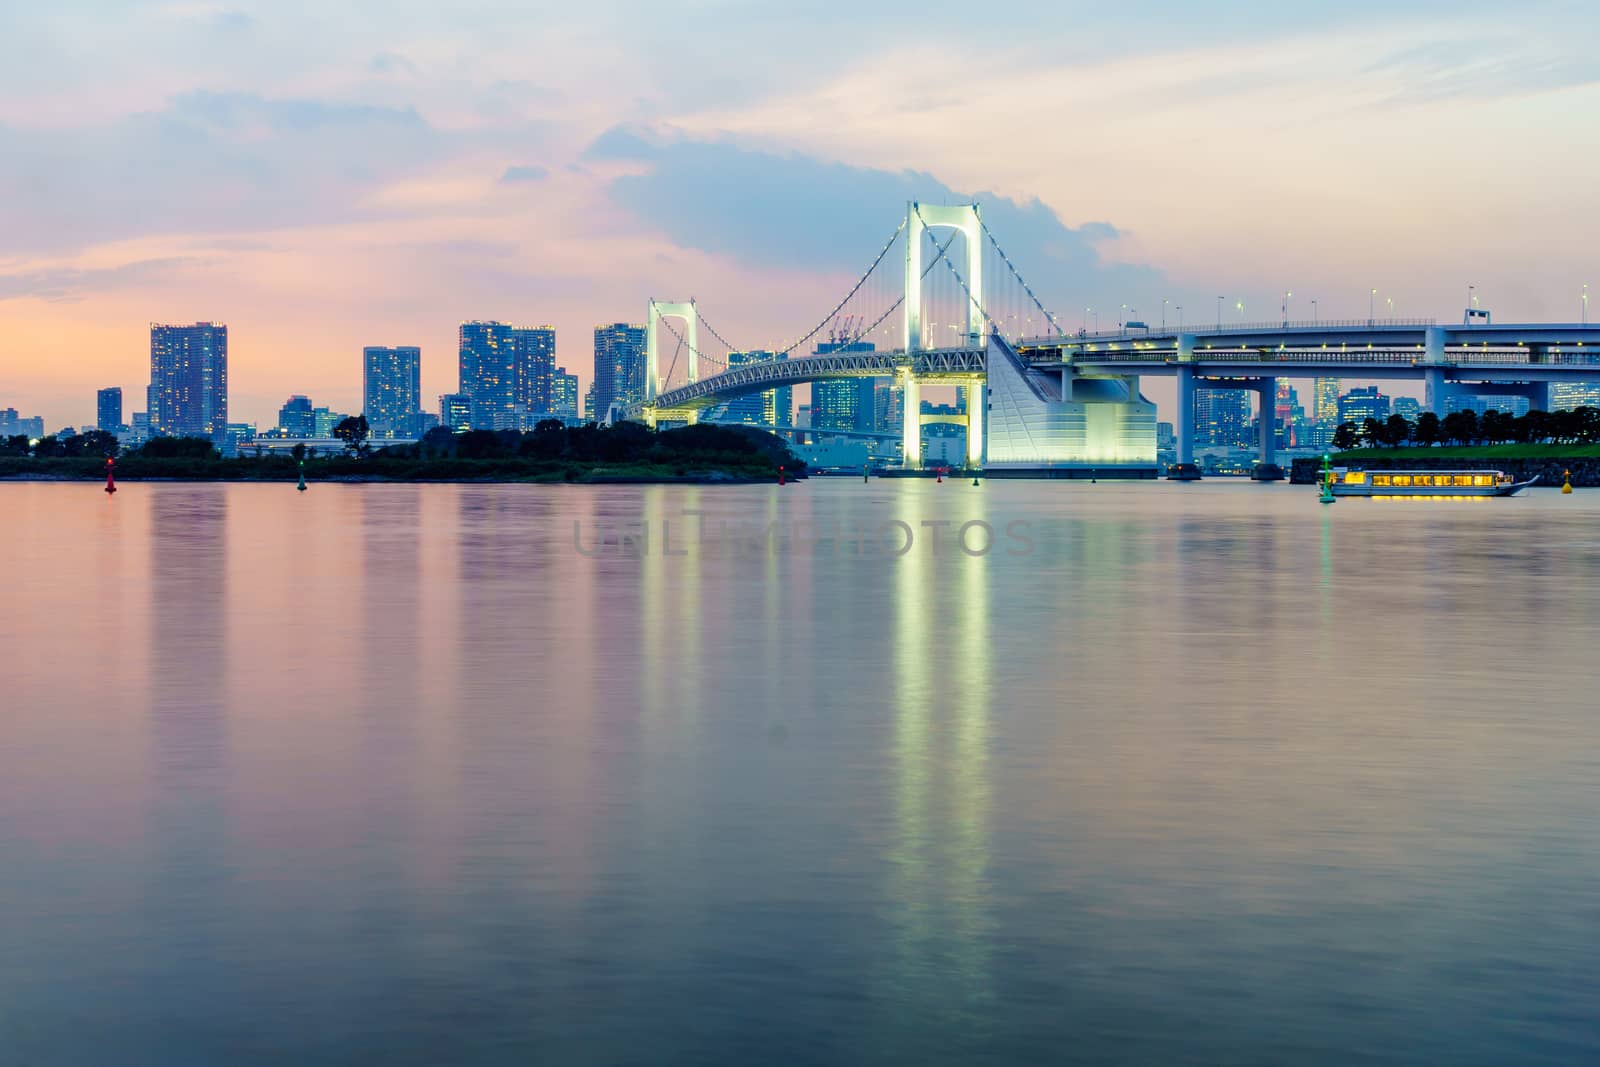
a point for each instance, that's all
(321, 176)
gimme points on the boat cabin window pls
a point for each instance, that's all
(1355, 477)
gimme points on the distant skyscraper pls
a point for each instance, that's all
(619, 366)
(489, 374)
(564, 394)
(752, 409)
(295, 418)
(1222, 417)
(533, 357)
(323, 421)
(1566, 396)
(455, 411)
(1409, 406)
(108, 409)
(1478, 404)
(847, 403)
(1325, 410)
(1288, 415)
(189, 380)
(391, 389)
(1364, 403)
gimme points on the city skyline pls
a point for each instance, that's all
(220, 171)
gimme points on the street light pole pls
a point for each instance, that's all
(1180, 318)
(1313, 312)
(1286, 296)
(1163, 314)
(1219, 313)
(1586, 303)
(1371, 298)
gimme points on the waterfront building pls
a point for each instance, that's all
(455, 411)
(1363, 403)
(489, 374)
(564, 394)
(295, 418)
(14, 425)
(1222, 417)
(391, 389)
(1408, 406)
(108, 409)
(138, 428)
(323, 421)
(619, 367)
(533, 360)
(189, 380)
(1478, 404)
(1566, 396)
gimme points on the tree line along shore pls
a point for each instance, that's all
(550, 452)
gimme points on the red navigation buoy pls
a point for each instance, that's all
(780, 475)
(938, 474)
(111, 481)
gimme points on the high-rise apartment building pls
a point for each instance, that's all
(507, 373)
(752, 409)
(619, 366)
(391, 389)
(189, 380)
(489, 374)
(108, 409)
(533, 356)
(1222, 417)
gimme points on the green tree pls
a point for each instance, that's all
(98, 443)
(353, 431)
(178, 448)
(1371, 432)
(1427, 430)
(1397, 431)
(1345, 436)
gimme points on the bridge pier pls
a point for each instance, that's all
(1183, 427)
(977, 404)
(911, 421)
(1268, 421)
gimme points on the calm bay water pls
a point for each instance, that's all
(398, 774)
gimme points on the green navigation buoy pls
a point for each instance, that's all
(302, 485)
(1327, 479)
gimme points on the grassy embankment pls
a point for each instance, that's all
(1422, 453)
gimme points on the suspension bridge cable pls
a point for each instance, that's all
(1018, 275)
(809, 334)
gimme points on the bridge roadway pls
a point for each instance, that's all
(1521, 358)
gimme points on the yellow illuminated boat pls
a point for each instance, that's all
(1347, 482)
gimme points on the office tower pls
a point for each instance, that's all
(189, 380)
(752, 409)
(847, 403)
(1222, 417)
(139, 428)
(108, 409)
(391, 389)
(564, 394)
(1409, 406)
(295, 418)
(619, 366)
(1567, 396)
(455, 411)
(1325, 409)
(324, 420)
(1288, 416)
(1364, 403)
(1480, 403)
(533, 357)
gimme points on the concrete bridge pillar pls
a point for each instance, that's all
(1433, 345)
(1269, 419)
(1434, 389)
(1183, 426)
(911, 421)
(977, 407)
(1539, 396)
